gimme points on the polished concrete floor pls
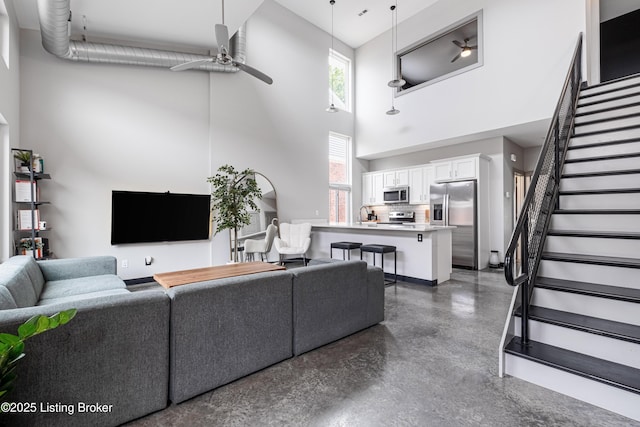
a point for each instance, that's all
(432, 362)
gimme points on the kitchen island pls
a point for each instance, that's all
(424, 252)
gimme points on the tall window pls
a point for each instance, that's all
(4, 33)
(339, 177)
(339, 80)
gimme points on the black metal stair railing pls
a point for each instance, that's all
(542, 198)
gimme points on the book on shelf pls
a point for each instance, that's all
(23, 190)
(25, 219)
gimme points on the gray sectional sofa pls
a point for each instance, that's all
(114, 352)
(137, 350)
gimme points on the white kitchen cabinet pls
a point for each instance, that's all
(372, 187)
(456, 169)
(395, 178)
(420, 180)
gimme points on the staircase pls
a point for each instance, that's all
(584, 316)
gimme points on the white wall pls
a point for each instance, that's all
(9, 130)
(281, 130)
(101, 128)
(515, 85)
(105, 127)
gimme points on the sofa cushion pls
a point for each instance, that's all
(6, 300)
(16, 280)
(81, 285)
(80, 297)
(30, 267)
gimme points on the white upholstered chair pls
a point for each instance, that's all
(294, 239)
(262, 247)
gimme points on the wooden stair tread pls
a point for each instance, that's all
(604, 371)
(601, 158)
(591, 289)
(602, 191)
(602, 143)
(607, 119)
(592, 325)
(592, 259)
(603, 131)
(597, 211)
(600, 173)
(595, 234)
(605, 110)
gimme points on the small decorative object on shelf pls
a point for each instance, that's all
(29, 171)
(23, 160)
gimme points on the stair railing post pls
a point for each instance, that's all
(556, 160)
(524, 325)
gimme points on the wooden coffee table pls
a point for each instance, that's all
(183, 277)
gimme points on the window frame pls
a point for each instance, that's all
(340, 187)
(337, 56)
(477, 16)
(5, 33)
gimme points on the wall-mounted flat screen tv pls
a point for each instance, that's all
(141, 217)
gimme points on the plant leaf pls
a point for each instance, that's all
(9, 339)
(28, 328)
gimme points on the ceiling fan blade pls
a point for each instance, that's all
(255, 73)
(222, 38)
(473, 47)
(457, 43)
(455, 58)
(190, 64)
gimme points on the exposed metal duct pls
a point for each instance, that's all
(55, 27)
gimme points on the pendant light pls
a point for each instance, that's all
(397, 81)
(393, 84)
(331, 108)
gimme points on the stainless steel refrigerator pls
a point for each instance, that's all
(455, 203)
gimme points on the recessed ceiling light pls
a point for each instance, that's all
(363, 12)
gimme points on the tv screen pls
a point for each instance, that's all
(140, 217)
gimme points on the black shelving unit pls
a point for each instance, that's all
(32, 205)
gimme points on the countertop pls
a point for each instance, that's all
(387, 227)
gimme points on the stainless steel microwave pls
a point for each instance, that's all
(396, 195)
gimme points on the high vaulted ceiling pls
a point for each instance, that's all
(191, 22)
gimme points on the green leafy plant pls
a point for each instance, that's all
(12, 346)
(24, 157)
(28, 244)
(233, 197)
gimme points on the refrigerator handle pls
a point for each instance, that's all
(446, 209)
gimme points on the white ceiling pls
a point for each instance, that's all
(348, 27)
(190, 22)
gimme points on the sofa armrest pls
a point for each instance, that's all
(114, 352)
(375, 295)
(71, 268)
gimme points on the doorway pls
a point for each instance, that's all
(520, 187)
(612, 40)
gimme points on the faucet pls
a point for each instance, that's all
(360, 213)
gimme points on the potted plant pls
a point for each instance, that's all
(12, 346)
(233, 198)
(27, 246)
(24, 157)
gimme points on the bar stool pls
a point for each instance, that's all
(345, 246)
(383, 249)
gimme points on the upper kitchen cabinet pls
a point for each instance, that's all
(372, 187)
(420, 179)
(395, 178)
(456, 169)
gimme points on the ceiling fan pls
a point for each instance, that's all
(466, 49)
(223, 57)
